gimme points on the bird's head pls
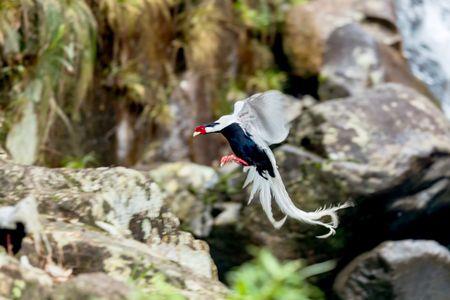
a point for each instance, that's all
(216, 126)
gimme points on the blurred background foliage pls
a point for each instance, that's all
(107, 77)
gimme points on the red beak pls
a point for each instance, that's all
(199, 130)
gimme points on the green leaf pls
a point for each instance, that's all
(266, 278)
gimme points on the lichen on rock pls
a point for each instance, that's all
(109, 220)
(184, 184)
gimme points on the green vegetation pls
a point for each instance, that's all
(265, 278)
(46, 65)
(156, 288)
(267, 80)
(85, 161)
(16, 292)
(264, 16)
(148, 285)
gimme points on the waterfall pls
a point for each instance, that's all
(425, 29)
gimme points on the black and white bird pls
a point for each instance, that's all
(256, 123)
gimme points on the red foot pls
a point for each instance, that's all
(229, 158)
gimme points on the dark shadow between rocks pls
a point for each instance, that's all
(11, 239)
(228, 248)
(297, 86)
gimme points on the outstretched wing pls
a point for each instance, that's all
(264, 116)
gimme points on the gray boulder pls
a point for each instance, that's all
(389, 149)
(354, 60)
(184, 186)
(22, 281)
(402, 270)
(376, 140)
(351, 45)
(80, 249)
(309, 25)
(122, 200)
(92, 286)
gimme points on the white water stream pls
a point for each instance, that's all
(425, 28)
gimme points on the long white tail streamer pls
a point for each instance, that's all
(273, 188)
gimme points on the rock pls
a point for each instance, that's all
(92, 286)
(408, 269)
(184, 186)
(374, 136)
(83, 250)
(22, 140)
(117, 198)
(350, 44)
(380, 20)
(387, 149)
(130, 274)
(397, 70)
(384, 148)
(351, 63)
(354, 61)
(19, 280)
(308, 27)
(79, 249)
(109, 220)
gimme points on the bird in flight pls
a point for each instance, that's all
(256, 123)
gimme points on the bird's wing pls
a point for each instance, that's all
(264, 116)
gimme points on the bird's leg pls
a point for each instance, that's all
(229, 158)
